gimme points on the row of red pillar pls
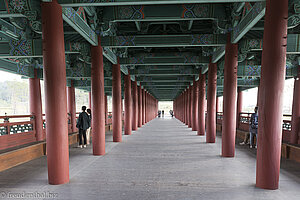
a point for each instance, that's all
(140, 106)
(270, 98)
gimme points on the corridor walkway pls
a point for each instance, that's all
(162, 160)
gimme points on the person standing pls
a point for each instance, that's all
(83, 123)
(88, 131)
(253, 127)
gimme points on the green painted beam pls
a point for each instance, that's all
(166, 87)
(165, 72)
(165, 58)
(110, 55)
(163, 83)
(74, 20)
(163, 40)
(35, 48)
(241, 82)
(142, 69)
(76, 3)
(133, 61)
(163, 13)
(17, 68)
(248, 45)
(8, 30)
(252, 17)
(165, 79)
(218, 54)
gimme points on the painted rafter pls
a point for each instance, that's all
(175, 72)
(166, 79)
(24, 48)
(79, 24)
(158, 13)
(133, 61)
(76, 3)
(163, 40)
(17, 68)
(75, 21)
(8, 30)
(251, 18)
(257, 13)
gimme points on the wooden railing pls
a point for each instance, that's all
(16, 130)
(245, 121)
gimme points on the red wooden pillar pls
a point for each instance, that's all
(147, 108)
(271, 94)
(134, 106)
(105, 109)
(239, 107)
(211, 103)
(128, 105)
(201, 105)
(183, 106)
(90, 100)
(229, 99)
(217, 104)
(195, 106)
(190, 106)
(116, 103)
(186, 106)
(55, 93)
(143, 106)
(98, 100)
(35, 105)
(72, 106)
(139, 106)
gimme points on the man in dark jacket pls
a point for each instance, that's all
(83, 123)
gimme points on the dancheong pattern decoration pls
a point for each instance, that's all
(73, 16)
(196, 10)
(253, 70)
(130, 12)
(255, 11)
(20, 47)
(188, 58)
(77, 71)
(137, 60)
(202, 39)
(125, 40)
(24, 70)
(17, 6)
(27, 8)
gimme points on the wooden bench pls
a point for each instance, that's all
(18, 155)
(291, 152)
(288, 151)
(15, 156)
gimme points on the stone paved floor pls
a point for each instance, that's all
(162, 160)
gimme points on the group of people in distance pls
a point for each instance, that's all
(84, 127)
(252, 130)
(162, 113)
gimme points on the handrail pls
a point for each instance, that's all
(15, 116)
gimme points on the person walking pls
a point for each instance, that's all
(83, 123)
(253, 127)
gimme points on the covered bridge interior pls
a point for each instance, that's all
(145, 51)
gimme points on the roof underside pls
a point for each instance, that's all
(164, 45)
